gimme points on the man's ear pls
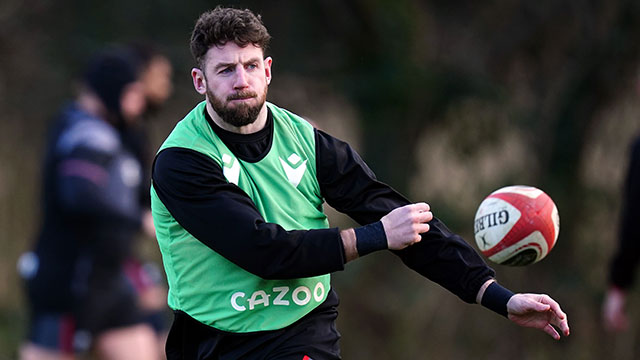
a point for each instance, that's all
(199, 81)
(267, 68)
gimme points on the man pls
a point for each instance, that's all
(237, 195)
(79, 293)
(627, 255)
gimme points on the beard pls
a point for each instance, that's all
(241, 114)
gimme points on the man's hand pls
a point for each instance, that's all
(403, 225)
(613, 312)
(538, 311)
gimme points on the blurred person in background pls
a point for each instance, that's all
(155, 73)
(83, 293)
(237, 195)
(624, 263)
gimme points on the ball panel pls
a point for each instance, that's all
(536, 214)
(525, 257)
(494, 219)
(527, 191)
(511, 255)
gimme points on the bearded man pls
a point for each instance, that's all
(237, 195)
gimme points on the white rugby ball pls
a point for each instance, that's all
(516, 225)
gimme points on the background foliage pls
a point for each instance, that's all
(446, 100)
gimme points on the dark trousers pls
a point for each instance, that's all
(312, 337)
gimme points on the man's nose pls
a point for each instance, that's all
(241, 80)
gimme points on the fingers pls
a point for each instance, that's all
(422, 228)
(418, 215)
(559, 318)
(555, 307)
(424, 217)
(421, 215)
(551, 331)
(538, 311)
(562, 323)
(420, 219)
(404, 225)
(564, 327)
(421, 206)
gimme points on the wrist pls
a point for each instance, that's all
(348, 237)
(370, 238)
(483, 288)
(496, 297)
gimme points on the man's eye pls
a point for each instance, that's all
(225, 71)
(252, 66)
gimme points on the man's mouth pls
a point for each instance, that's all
(241, 96)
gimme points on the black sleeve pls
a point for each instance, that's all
(627, 255)
(222, 216)
(350, 187)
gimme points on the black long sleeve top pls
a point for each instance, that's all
(194, 190)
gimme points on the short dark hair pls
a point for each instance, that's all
(221, 25)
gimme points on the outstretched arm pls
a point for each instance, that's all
(351, 187)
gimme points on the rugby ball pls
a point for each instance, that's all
(516, 225)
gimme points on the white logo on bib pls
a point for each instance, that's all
(301, 296)
(232, 173)
(294, 174)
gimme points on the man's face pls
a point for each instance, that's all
(132, 102)
(156, 79)
(236, 82)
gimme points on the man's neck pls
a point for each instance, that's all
(254, 127)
